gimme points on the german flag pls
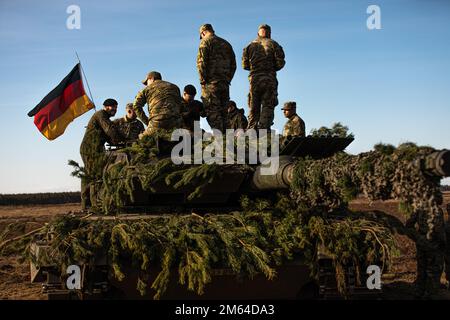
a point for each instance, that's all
(61, 106)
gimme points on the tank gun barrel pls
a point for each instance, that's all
(436, 163)
(280, 180)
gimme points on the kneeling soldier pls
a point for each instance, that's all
(236, 117)
(129, 126)
(164, 104)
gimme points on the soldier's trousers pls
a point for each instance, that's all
(215, 97)
(429, 270)
(89, 188)
(262, 100)
(447, 249)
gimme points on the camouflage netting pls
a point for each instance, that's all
(261, 235)
(385, 173)
(254, 240)
(146, 167)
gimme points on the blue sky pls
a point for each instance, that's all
(390, 85)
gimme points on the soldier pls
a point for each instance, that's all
(429, 247)
(129, 126)
(164, 104)
(263, 57)
(192, 109)
(99, 130)
(236, 117)
(295, 126)
(216, 64)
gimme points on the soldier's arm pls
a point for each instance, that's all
(119, 127)
(296, 129)
(139, 103)
(110, 128)
(202, 61)
(286, 130)
(141, 127)
(185, 114)
(302, 129)
(245, 59)
(279, 57)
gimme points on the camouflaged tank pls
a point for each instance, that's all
(293, 281)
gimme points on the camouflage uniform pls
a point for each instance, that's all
(99, 130)
(295, 126)
(164, 106)
(263, 57)
(191, 111)
(429, 248)
(216, 64)
(129, 129)
(237, 119)
(447, 249)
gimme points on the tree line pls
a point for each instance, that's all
(39, 198)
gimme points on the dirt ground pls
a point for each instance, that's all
(398, 283)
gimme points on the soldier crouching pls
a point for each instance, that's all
(164, 104)
(129, 126)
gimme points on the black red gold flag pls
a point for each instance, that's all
(62, 105)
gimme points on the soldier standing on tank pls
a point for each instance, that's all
(99, 130)
(295, 126)
(192, 109)
(216, 64)
(263, 57)
(430, 243)
(129, 126)
(164, 104)
(236, 117)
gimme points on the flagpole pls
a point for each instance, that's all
(87, 83)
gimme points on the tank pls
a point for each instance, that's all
(294, 279)
(235, 180)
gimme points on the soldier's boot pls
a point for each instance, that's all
(264, 134)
